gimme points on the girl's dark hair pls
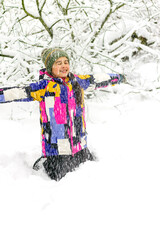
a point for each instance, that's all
(76, 88)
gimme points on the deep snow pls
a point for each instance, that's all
(116, 197)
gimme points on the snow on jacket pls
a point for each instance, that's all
(63, 126)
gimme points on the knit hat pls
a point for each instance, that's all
(50, 55)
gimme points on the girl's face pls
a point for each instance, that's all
(61, 67)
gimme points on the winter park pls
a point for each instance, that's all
(112, 46)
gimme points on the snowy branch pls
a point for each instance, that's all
(145, 48)
(7, 56)
(102, 24)
(26, 12)
(122, 40)
(96, 36)
(48, 29)
(108, 15)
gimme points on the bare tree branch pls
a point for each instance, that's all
(60, 6)
(118, 7)
(22, 18)
(7, 56)
(68, 5)
(65, 13)
(48, 29)
(37, 2)
(103, 22)
(27, 13)
(105, 19)
(42, 6)
(56, 22)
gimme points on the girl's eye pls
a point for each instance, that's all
(60, 63)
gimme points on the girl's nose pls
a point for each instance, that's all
(63, 64)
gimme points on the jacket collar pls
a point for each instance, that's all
(58, 80)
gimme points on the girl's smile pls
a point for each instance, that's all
(61, 67)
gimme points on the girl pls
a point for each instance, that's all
(62, 113)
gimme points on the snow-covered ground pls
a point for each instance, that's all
(116, 197)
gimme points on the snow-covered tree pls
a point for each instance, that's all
(99, 35)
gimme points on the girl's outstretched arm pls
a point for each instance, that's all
(103, 80)
(92, 82)
(11, 94)
(34, 91)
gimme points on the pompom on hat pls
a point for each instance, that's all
(50, 55)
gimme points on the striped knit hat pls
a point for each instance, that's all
(50, 55)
